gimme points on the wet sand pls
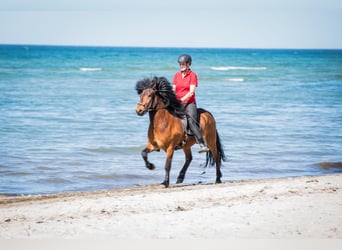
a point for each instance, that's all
(283, 208)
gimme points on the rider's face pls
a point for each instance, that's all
(184, 66)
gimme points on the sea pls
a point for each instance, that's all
(68, 120)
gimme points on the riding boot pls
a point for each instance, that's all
(203, 146)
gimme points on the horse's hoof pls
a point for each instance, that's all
(150, 166)
(218, 181)
(179, 181)
(165, 183)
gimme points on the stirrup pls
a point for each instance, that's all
(203, 148)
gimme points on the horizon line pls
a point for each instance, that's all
(168, 47)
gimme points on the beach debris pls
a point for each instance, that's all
(314, 180)
(179, 208)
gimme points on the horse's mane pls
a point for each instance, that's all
(164, 90)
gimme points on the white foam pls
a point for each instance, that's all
(237, 68)
(235, 79)
(90, 69)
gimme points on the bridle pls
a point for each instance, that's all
(152, 104)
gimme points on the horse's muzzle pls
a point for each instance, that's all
(140, 109)
(140, 112)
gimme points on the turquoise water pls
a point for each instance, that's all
(68, 119)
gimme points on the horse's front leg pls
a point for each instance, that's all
(148, 164)
(169, 155)
(188, 159)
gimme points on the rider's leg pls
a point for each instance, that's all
(191, 109)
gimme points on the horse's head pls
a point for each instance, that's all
(155, 94)
(147, 101)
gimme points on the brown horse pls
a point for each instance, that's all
(166, 131)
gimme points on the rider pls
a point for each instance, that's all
(184, 85)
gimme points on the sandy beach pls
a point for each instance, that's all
(284, 208)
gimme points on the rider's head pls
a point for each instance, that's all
(184, 61)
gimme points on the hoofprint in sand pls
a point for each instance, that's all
(299, 207)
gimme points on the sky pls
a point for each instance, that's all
(174, 23)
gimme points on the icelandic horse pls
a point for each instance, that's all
(167, 132)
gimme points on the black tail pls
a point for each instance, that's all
(221, 156)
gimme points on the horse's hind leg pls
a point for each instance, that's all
(148, 164)
(217, 160)
(218, 172)
(188, 159)
(214, 152)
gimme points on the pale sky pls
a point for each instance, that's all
(173, 23)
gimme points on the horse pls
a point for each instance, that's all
(167, 132)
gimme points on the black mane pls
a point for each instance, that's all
(142, 85)
(164, 91)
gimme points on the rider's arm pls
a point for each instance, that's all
(190, 93)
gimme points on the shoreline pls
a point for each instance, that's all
(280, 208)
(12, 198)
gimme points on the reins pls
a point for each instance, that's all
(149, 109)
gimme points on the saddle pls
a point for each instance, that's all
(187, 132)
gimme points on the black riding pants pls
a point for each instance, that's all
(193, 120)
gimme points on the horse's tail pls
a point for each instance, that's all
(220, 152)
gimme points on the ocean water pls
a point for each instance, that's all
(68, 122)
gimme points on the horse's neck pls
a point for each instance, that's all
(162, 116)
(159, 114)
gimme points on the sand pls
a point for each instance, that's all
(283, 208)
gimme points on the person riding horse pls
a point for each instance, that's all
(166, 131)
(185, 82)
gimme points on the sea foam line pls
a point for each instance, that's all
(235, 79)
(90, 69)
(237, 68)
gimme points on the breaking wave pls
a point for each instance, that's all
(222, 68)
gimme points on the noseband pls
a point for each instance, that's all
(152, 104)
